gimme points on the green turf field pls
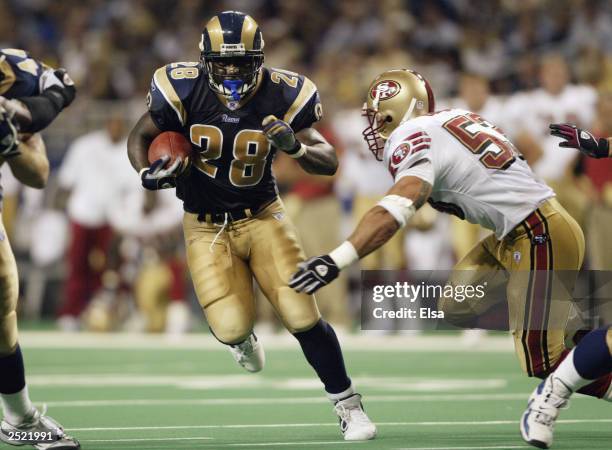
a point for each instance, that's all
(170, 397)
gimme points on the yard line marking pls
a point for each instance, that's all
(279, 444)
(502, 447)
(149, 439)
(240, 382)
(362, 341)
(328, 424)
(282, 400)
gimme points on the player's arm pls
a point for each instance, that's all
(158, 175)
(308, 147)
(163, 114)
(140, 139)
(574, 137)
(393, 212)
(376, 227)
(31, 165)
(34, 113)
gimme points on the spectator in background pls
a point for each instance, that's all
(556, 101)
(599, 172)
(89, 180)
(148, 224)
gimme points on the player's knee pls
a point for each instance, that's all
(302, 323)
(297, 311)
(8, 295)
(8, 333)
(232, 332)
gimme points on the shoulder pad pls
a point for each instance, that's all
(19, 73)
(300, 97)
(172, 84)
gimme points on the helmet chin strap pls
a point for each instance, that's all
(233, 86)
(408, 113)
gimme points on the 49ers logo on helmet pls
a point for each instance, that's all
(386, 89)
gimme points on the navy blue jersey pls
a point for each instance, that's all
(20, 75)
(233, 166)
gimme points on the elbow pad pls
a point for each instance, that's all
(44, 108)
(401, 208)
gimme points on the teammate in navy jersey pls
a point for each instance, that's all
(31, 96)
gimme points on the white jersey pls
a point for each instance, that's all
(475, 171)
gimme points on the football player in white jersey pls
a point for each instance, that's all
(464, 165)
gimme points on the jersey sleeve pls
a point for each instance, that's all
(165, 102)
(408, 153)
(20, 75)
(305, 107)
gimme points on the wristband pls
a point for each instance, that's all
(300, 152)
(344, 255)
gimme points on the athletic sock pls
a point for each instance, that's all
(16, 406)
(322, 350)
(587, 362)
(13, 390)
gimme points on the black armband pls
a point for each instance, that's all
(44, 108)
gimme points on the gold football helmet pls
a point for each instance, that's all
(232, 53)
(394, 97)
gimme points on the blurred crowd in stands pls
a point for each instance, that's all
(520, 64)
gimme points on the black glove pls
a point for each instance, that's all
(68, 91)
(158, 177)
(281, 135)
(313, 274)
(581, 140)
(9, 141)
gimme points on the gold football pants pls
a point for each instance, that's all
(224, 260)
(520, 266)
(9, 292)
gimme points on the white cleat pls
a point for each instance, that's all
(39, 431)
(538, 421)
(354, 423)
(249, 354)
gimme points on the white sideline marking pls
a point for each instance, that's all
(327, 424)
(283, 400)
(150, 439)
(362, 341)
(502, 447)
(278, 444)
(212, 382)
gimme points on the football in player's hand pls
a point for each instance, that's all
(171, 144)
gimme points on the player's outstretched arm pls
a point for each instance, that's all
(311, 150)
(376, 227)
(31, 165)
(574, 137)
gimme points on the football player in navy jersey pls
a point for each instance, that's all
(237, 115)
(31, 96)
